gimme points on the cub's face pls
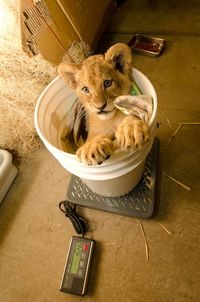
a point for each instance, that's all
(100, 79)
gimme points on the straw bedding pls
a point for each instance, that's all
(21, 80)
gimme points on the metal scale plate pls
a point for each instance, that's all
(138, 203)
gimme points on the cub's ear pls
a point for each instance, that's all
(120, 56)
(67, 72)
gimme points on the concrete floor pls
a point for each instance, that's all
(35, 235)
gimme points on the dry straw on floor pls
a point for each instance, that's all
(21, 81)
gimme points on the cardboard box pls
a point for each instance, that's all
(49, 27)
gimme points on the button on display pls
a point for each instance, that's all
(80, 273)
(83, 255)
(81, 264)
(86, 247)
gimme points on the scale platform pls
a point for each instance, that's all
(138, 203)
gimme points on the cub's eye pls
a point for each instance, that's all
(86, 90)
(107, 83)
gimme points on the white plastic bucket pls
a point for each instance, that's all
(116, 176)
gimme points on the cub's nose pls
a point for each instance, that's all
(101, 108)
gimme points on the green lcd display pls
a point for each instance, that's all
(76, 258)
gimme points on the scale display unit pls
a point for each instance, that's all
(139, 203)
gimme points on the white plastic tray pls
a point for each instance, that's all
(8, 172)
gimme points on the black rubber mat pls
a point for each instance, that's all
(139, 203)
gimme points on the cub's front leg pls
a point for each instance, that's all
(132, 133)
(96, 150)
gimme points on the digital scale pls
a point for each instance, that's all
(139, 203)
(76, 272)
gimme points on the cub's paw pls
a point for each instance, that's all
(95, 151)
(132, 133)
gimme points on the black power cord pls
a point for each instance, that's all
(79, 223)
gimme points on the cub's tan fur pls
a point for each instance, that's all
(97, 82)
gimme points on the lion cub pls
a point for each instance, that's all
(97, 82)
